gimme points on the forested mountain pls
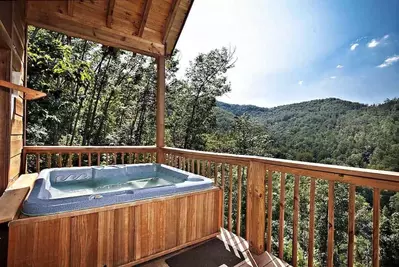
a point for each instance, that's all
(99, 95)
(330, 131)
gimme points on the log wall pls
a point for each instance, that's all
(12, 58)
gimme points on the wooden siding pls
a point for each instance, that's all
(12, 58)
(122, 234)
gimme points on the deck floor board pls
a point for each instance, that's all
(233, 243)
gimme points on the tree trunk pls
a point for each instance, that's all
(104, 117)
(88, 113)
(104, 81)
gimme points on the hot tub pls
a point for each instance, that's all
(67, 189)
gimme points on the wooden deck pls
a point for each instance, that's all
(237, 246)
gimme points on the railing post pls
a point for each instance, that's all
(160, 114)
(256, 207)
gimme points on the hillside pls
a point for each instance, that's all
(327, 130)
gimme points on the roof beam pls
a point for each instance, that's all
(144, 17)
(110, 12)
(171, 19)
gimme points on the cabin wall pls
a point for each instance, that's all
(12, 59)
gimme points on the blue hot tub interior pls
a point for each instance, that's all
(67, 189)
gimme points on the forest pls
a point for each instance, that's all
(100, 95)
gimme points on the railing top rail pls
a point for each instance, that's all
(274, 163)
(86, 149)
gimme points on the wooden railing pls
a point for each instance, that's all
(254, 188)
(250, 179)
(36, 158)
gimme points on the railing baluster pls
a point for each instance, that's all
(295, 223)
(70, 160)
(351, 224)
(130, 158)
(269, 210)
(59, 160)
(80, 159)
(192, 165)
(209, 169)
(37, 162)
(89, 158)
(215, 172)
(98, 158)
(330, 238)
(239, 201)
(48, 160)
(198, 166)
(376, 227)
(311, 221)
(180, 162)
(223, 184)
(281, 219)
(114, 156)
(230, 197)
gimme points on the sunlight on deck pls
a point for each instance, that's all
(237, 246)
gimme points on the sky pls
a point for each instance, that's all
(291, 51)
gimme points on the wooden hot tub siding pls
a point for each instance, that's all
(122, 234)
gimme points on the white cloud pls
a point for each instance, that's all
(373, 43)
(333, 77)
(353, 47)
(300, 83)
(339, 66)
(389, 61)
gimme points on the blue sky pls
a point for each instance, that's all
(292, 51)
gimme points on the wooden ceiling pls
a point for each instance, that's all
(150, 27)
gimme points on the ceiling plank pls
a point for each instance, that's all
(73, 26)
(144, 17)
(70, 7)
(110, 12)
(171, 19)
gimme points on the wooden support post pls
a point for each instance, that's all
(256, 207)
(160, 137)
